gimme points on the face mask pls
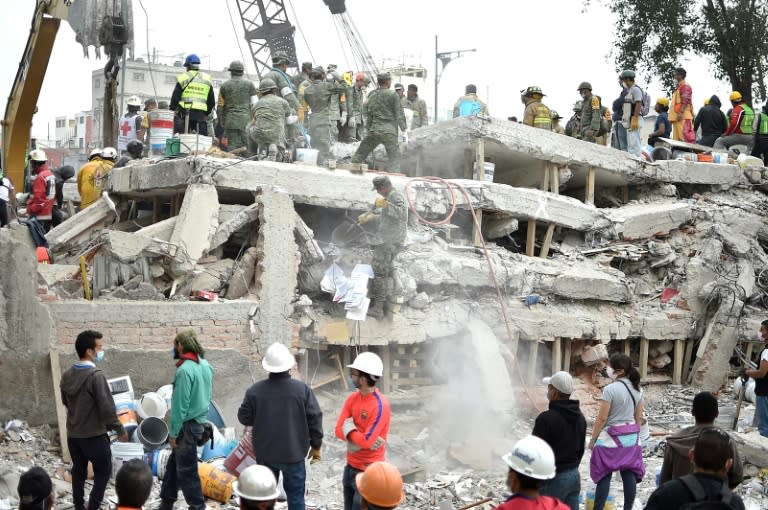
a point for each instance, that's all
(610, 372)
(99, 357)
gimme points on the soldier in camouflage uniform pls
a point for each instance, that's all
(285, 88)
(306, 68)
(383, 115)
(590, 113)
(356, 95)
(318, 99)
(391, 215)
(338, 109)
(537, 114)
(266, 132)
(573, 126)
(419, 107)
(233, 108)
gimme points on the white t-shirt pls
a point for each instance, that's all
(5, 189)
(634, 95)
(622, 407)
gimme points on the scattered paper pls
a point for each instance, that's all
(359, 314)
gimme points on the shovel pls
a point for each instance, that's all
(738, 405)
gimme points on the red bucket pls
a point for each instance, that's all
(241, 457)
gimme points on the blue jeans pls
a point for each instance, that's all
(294, 478)
(761, 411)
(634, 140)
(604, 486)
(181, 470)
(351, 496)
(619, 138)
(565, 486)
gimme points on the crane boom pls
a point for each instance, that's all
(267, 30)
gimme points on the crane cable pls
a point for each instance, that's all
(502, 304)
(301, 31)
(234, 31)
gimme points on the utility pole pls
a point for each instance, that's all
(444, 57)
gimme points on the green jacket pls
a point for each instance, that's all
(590, 114)
(383, 112)
(285, 88)
(268, 124)
(393, 219)
(319, 96)
(234, 105)
(192, 392)
(355, 100)
(419, 107)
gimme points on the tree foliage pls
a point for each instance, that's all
(652, 36)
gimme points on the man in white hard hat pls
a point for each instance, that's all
(257, 488)
(43, 196)
(129, 127)
(286, 422)
(530, 462)
(564, 429)
(363, 423)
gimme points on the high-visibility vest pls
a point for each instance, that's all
(747, 119)
(543, 118)
(195, 86)
(762, 128)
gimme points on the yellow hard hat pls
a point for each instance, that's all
(663, 101)
(735, 96)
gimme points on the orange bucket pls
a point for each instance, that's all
(704, 158)
(216, 482)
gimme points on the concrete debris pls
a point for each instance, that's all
(242, 275)
(86, 223)
(242, 218)
(195, 227)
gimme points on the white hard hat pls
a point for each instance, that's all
(134, 101)
(256, 483)
(533, 457)
(38, 155)
(94, 152)
(278, 359)
(109, 153)
(369, 363)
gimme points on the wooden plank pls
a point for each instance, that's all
(554, 179)
(544, 253)
(327, 381)
(557, 355)
(567, 356)
(530, 241)
(677, 371)
(590, 193)
(340, 368)
(687, 357)
(625, 194)
(477, 233)
(156, 205)
(643, 362)
(533, 359)
(748, 354)
(61, 411)
(627, 346)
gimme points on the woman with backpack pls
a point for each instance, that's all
(615, 442)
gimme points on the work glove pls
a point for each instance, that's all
(365, 218)
(351, 122)
(348, 426)
(381, 202)
(352, 447)
(315, 455)
(634, 123)
(378, 444)
(743, 375)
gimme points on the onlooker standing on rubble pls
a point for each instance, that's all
(35, 490)
(573, 126)
(591, 113)
(712, 458)
(43, 196)
(556, 127)
(760, 147)
(564, 428)
(286, 422)
(391, 213)
(90, 414)
(418, 106)
(619, 136)
(233, 109)
(615, 442)
(149, 106)
(681, 109)
(193, 96)
(712, 121)
(631, 118)
(133, 485)
(531, 463)
(740, 130)
(257, 488)
(662, 127)
(380, 487)
(676, 460)
(383, 115)
(761, 383)
(363, 423)
(469, 104)
(322, 121)
(536, 113)
(266, 133)
(192, 391)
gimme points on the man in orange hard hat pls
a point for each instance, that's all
(380, 486)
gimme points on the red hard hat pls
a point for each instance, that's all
(359, 76)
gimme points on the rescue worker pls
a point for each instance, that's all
(301, 76)
(531, 463)
(322, 124)
(130, 125)
(740, 130)
(93, 176)
(619, 133)
(283, 83)
(681, 109)
(760, 147)
(363, 423)
(573, 126)
(338, 106)
(418, 106)
(400, 91)
(356, 96)
(383, 115)
(380, 487)
(711, 120)
(591, 113)
(536, 113)
(192, 391)
(556, 127)
(192, 97)
(662, 128)
(43, 196)
(391, 214)
(286, 422)
(631, 118)
(234, 106)
(266, 132)
(135, 150)
(256, 488)
(61, 176)
(760, 375)
(149, 105)
(469, 104)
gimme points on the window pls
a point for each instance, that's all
(82, 120)
(81, 143)
(97, 83)
(138, 76)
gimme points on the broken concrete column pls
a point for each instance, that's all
(242, 276)
(240, 219)
(82, 225)
(311, 253)
(195, 227)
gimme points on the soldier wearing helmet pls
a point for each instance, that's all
(301, 76)
(356, 95)
(573, 126)
(285, 87)
(266, 133)
(681, 108)
(130, 125)
(192, 99)
(591, 112)
(364, 424)
(43, 196)
(92, 177)
(536, 114)
(286, 422)
(469, 104)
(257, 488)
(380, 487)
(319, 101)
(740, 129)
(233, 109)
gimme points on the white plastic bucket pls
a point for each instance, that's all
(166, 392)
(195, 143)
(152, 433)
(160, 128)
(488, 170)
(151, 404)
(123, 452)
(157, 460)
(307, 156)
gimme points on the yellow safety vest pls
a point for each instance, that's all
(543, 118)
(196, 87)
(763, 128)
(747, 119)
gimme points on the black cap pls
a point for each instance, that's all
(470, 89)
(34, 487)
(381, 181)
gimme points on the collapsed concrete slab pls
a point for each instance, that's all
(82, 225)
(195, 227)
(637, 221)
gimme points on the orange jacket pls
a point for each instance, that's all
(371, 415)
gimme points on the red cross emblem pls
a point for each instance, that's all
(125, 128)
